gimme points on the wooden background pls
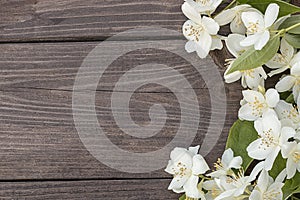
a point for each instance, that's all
(42, 45)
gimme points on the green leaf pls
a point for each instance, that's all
(278, 166)
(295, 197)
(287, 96)
(252, 58)
(284, 95)
(291, 186)
(293, 20)
(183, 197)
(285, 8)
(242, 1)
(290, 99)
(293, 40)
(241, 134)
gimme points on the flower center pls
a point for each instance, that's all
(285, 52)
(218, 165)
(297, 80)
(238, 180)
(230, 180)
(238, 18)
(281, 59)
(268, 139)
(194, 30)
(291, 114)
(215, 192)
(296, 157)
(181, 170)
(257, 107)
(248, 72)
(270, 195)
(252, 28)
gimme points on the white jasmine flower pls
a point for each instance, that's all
(199, 31)
(233, 44)
(216, 42)
(284, 60)
(298, 101)
(213, 188)
(266, 188)
(234, 186)
(251, 78)
(233, 16)
(225, 164)
(291, 151)
(256, 104)
(292, 81)
(185, 165)
(204, 6)
(271, 138)
(288, 114)
(258, 26)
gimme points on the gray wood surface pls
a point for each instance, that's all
(88, 190)
(38, 135)
(36, 20)
(43, 44)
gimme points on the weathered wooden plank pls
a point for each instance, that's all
(38, 135)
(105, 189)
(35, 20)
(39, 139)
(53, 66)
(61, 20)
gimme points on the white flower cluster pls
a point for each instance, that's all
(276, 121)
(227, 182)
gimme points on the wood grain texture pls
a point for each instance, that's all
(78, 20)
(37, 20)
(106, 189)
(38, 136)
(42, 156)
(61, 20)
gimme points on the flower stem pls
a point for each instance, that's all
(203, 177)
(247, 191)
(292, 27)
(281, 32)
(229, 5)
(295, 198)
